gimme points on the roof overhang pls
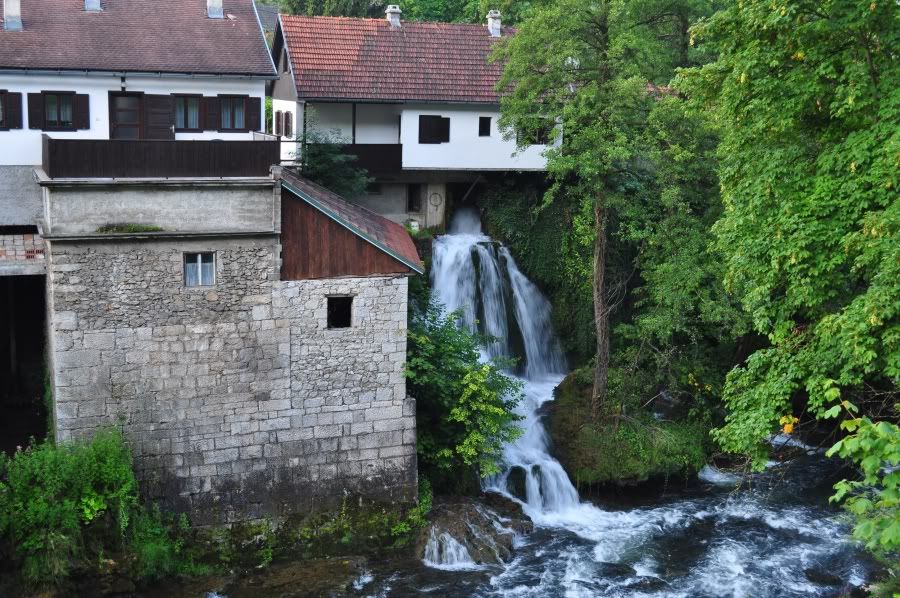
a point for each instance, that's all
(29, 72)
(314, 203)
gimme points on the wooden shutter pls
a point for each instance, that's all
(254, 114)
(159, 116)
(14, 110)
(211, 107)
(82, 114)
(35, 111)
(444, 130)
(428, 128)
(288, 124)
(277, 129)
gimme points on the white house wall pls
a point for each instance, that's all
(288, 144)
(378, 123)
(331, 120)
(466, 150)
(22, 147)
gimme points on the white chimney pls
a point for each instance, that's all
(494, 26)
(93, 5)
(214, 9)
(393, 15)
(12, 15)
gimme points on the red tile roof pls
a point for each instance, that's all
(172, 36)
(340, 58)
(386, 235)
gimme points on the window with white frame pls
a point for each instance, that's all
(199, 269)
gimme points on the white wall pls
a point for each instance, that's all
(331, 119)
(288, 144)
(378, 123)
(22, 147)
(466, 150)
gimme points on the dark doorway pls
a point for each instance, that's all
(23, 414)
(125, 111)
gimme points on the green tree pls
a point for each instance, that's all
(464, 408)
(325, 161)
(807, 94)
(587, 71)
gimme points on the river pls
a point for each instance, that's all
(767, 534)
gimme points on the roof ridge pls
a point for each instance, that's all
(380, 20)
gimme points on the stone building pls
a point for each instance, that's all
(247, 384)
(245, 328)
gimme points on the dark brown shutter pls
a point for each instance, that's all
(14, 110)
(82, 111)
(444, 130)
(159, 116)
(288, 124)
(277, 130)
(211, 108)
(428, 128)
(35, 111)
(254, 110)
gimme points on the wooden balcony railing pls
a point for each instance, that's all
(377, 158)
(145, 158)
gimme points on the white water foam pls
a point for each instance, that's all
(443, 551)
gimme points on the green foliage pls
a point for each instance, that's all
(632, 446)
(464, 408)
(809, 171)
(325, 162)
(449, 11)
(875, 499)
(129, 227)
(159, 546)
(54, 498)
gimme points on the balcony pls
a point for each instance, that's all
(106, 158)
(376, 158)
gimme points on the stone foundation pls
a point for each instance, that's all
(237, 399)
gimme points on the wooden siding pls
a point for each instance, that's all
(315, 246)
(376, 158)
(120, 158)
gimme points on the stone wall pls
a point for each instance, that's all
(237, 399)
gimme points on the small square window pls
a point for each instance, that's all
(340, 311)
(199, 269)
(484, 126)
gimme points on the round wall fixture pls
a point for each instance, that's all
(435, 199)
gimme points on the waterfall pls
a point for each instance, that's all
(443, 551)
(478, 276)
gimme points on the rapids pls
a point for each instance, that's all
(770, 534)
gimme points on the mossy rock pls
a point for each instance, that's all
(619, 449)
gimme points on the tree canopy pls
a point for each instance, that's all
(807, 98)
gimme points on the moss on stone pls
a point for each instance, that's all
(624, 448)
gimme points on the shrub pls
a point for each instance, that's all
(464, 407)
(52, 498)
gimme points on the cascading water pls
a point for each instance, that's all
(761, 541)
(472, 273)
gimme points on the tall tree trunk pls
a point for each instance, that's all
(601, 313)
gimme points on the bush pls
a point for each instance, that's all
(464, 407)
(55, 501)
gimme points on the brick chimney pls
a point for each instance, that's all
(92, 5)
(495, 28)
(392, 12)
(214, 9)
(12, 15)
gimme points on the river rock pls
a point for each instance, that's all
(486, 528)
(515, 483)
(822, 577)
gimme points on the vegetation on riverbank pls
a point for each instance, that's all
(73, 511)
(626, 446)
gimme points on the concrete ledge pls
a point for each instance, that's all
(23, 268)
(161, 235)
(42, 179)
